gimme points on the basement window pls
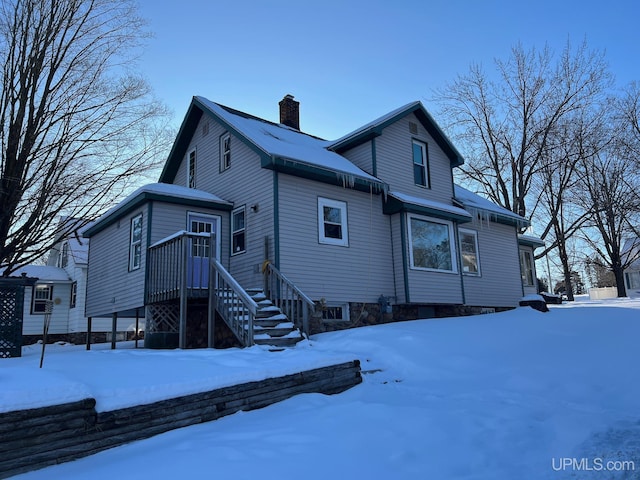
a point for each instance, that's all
(335, 313)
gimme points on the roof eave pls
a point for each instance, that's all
(324, 175)
(394, 205)
(144, 197)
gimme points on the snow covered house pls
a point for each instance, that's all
(305, 232)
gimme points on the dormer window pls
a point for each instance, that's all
(225, 152)
(420, 164)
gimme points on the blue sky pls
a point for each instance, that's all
(349, 62)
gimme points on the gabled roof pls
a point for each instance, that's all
(162, 192)
(279, 147)
(374, 129)
(472, 201)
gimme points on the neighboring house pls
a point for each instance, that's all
(53, 287)
(527, 246)
(62, 283)
(370, 227)
(631, 251)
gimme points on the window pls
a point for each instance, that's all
(431, 247)
(200, 245)
(135, 247)
(335, 313)
(526, 268)
(191, 169)
(74, 295)
(225, 151)
(238, 231)
(42, 294)
(420, 164)
(469, 252)
(332, 222)
(64, 255)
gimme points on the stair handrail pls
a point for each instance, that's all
(270, 271)
(221, 282)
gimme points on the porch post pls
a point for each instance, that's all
(114, 329)
(137, 325)
(89, 333)
(182, 340)
(211, 310)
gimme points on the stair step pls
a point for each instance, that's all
(273, 332)
(277, 342)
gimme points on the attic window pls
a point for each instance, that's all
(420, 164)
(191, 169)
(413, 128)
(225, 152)
(205, 129)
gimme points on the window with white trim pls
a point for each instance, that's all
(526, 268)
(469, 251)
(431, 244)
(191, 169)
(225, 152)
(74, 295)
(135, 245)
(420, 164)
(42, 294)
(332, 222)
(238, 230)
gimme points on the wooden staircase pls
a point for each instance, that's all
(270, 325)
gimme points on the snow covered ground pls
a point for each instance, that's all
(514, 395)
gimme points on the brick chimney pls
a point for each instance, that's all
(290, 112)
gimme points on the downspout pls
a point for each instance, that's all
(276, 221)
(459, 262)
(374, 160)
(405, 265)
(146, 252)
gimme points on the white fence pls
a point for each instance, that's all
(602, 293)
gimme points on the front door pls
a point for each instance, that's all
(200, 248)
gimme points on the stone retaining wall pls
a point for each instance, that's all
(40, 437)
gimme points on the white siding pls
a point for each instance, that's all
(59, 322)
(394, 162)
(111, 287)
(244, 183)
(361, 156)
(499, 283)
(360, 272)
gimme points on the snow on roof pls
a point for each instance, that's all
(423, 202)
(374, 123)
(43, 273)
(164, 189)
(472, 200)
(285, 142)
(535, 242)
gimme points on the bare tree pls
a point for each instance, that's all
(78, 125)
(609, 184)
(507, 125)
(556, 185)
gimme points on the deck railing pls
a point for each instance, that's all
(233, 304)
(292, 301)
(178, 267)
